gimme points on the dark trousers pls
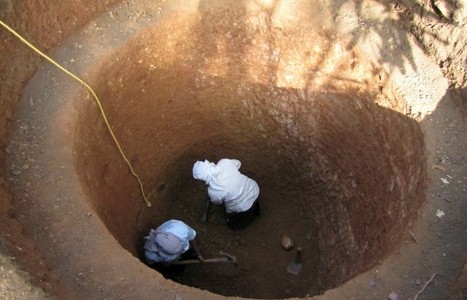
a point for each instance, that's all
(239, 220)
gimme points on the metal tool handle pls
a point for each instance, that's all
(298, 256)
(206, 210)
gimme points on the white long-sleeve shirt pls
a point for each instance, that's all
(227, 185)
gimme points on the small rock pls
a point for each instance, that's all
(445, 8)
(459, 15)
(439, 213)
(286, 242)
(393, 296)
(16, 172)
(439, 167)
(373, 282)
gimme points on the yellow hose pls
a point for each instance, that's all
(95, 97)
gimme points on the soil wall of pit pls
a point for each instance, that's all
(45, 23)
(211, 85)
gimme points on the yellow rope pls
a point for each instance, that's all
(95, 97)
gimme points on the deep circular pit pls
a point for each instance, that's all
(340, 174)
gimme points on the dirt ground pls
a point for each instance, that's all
(438, 238)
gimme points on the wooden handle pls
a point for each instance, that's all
(298, 256)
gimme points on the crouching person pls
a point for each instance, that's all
(167, 244)
(239, 193)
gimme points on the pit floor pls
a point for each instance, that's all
(262, 262)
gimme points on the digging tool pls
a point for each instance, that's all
(295, 265)
(225, 258)
(206, 210)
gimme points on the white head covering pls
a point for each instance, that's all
(204, 170)
(168, 243)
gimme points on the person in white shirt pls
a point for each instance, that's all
(226, 185)
(169, 242)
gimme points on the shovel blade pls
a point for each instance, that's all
(294, 267)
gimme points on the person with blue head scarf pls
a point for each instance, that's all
(167, 243)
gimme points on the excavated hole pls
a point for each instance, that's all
(341, 175)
